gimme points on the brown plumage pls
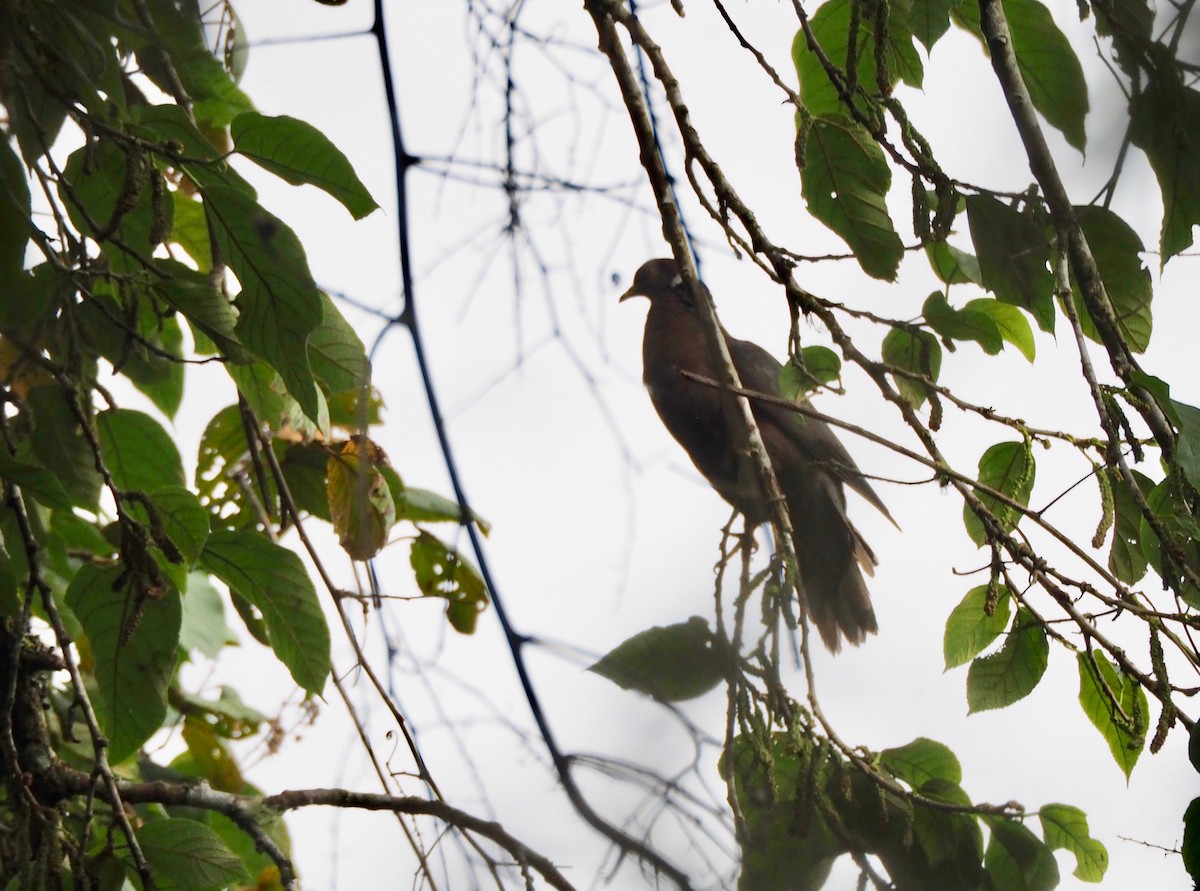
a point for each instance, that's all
(810, 463)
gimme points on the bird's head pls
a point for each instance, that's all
(654, 278)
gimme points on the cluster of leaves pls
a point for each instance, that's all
(805, 806)
(159, 255)
(849, 59)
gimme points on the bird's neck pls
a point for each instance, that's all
(675, 341)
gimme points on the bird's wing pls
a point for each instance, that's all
(759, 370)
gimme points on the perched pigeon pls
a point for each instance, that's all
(810, 462)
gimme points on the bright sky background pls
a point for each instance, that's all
(601, 526)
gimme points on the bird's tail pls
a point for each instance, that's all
(830, 552)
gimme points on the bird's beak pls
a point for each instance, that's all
(632, 292)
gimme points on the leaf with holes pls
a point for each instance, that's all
(441, 571)
(360, 502)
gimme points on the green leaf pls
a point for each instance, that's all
(845, 182)
(930, 20)
(275, 582)
(670, 663)
(1187, 448)
(816, 366)
(962, 324)
(1172, 508)
(198, 158)
(1158, 389)
(35, 481)
(360, 502)
(1125, 557)
(1048, 64)
(203, 628)
(354, 410)
(227, 715)
(190, 231)
(108, 197)
(184, 520)
(179, 37)
(1190, 849)
(137, 451)
(1116, 705)
(423, 506)
(336, 355)
(222, 446)
(264, 392)
(1116, 248)
(1014, 257)
(58, 444)
(952, 843)
(916, 351)
(189, 855)
(441, 571)
(251, 617)
(921, 761)
(1010, 674)
(132, 676)
(140, 340)
(279, 305)
(831, 28)
(952, 266)
(788, 845)
(208, 757)
(1010, 321)
(1166, 126)
(1016, 859)
(970, 630)
(304, 469)
(31, 308)
(79, 534)
(36, 118)
(1009, 468)
(1065, 828)
(14, 213)
(206, 309)
(300, 153)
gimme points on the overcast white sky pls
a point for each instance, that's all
(601, 526)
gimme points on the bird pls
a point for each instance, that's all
(810, 462)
